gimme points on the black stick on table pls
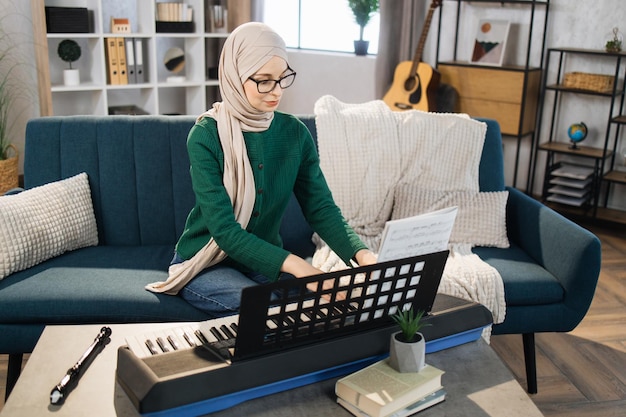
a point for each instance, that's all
(70, 380)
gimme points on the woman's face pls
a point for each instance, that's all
(274, 69)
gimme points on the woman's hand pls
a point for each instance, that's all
(365, 257)
(298, 267)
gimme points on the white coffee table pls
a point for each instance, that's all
(477, 381)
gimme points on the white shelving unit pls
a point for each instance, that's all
(156, 95)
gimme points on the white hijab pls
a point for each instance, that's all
(245, 51)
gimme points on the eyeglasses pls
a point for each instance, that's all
(267, 86)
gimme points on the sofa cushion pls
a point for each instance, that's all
(138, 170)
(481, 219)
(44, 222)
(525, 282)
(102, 284)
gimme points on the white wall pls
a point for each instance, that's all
(349, 78)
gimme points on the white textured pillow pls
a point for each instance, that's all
(44, 222)
(481, 219)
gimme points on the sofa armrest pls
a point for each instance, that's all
(568, 251)
(14, 191)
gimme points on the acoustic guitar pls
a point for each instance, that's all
(415, 82)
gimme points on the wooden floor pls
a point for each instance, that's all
(581, 373)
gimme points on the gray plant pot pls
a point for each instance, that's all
(407, 357)
(360, 47)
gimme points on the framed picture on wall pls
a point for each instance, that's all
(490, 42)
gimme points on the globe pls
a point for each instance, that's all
(577, 133)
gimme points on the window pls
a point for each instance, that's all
(319, 24)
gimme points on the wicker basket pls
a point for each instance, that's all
(591, 82)
(9, 177)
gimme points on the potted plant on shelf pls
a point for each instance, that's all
(614, 44)
(69, 51)
(407, 350)
(362, 10)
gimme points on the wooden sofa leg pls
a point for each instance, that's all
(14, 369)
(531, 362)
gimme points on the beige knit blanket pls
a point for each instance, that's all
(366, 150)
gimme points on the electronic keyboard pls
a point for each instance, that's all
(287, 336)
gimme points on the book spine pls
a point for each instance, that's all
(349, 393)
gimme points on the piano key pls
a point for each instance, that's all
(218, 335)
(173, 342)
(186, 335)
(201, 336)
(151, 347)
(167, 340)
(138, 346)
(162, 344)
(226, 330)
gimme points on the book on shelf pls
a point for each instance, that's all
(570, 201)
(173, 12)
(130, 60)
(417, 235)
(572, 192)
(572, 183)
(121, 60)
(113, 74)
(577, 172)
(379, 390)
(116, 55)
(140, 72)
(411, 409)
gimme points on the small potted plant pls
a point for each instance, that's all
(363, 11)
(69, 51)
(407, 350)
(615, 44)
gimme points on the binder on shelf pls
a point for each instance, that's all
(130, 60)
(113, 75)
(121, 59)
(140, 76)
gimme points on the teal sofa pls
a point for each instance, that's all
(138, 173)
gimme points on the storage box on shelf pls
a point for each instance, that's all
(600, 157)
(155, 92)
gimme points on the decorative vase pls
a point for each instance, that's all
(407, 357)
(9, 176)
(360, 47)
(71, 77)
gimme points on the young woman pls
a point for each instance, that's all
(246, 160)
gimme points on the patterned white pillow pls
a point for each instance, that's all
(44, 222)
(480, 221)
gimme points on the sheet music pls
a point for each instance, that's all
(417, 235)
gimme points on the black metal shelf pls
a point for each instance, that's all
(564, 89)
(603, 157)
(533, 5)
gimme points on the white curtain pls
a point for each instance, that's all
(256, 9)
(401, 24)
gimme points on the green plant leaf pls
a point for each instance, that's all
(410, 322)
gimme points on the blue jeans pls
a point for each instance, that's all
(217, 290)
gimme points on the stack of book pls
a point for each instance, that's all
(571, 184)
(380, 391)
(173, 12)
(174, 18)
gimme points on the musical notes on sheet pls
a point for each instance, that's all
(417, 235)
